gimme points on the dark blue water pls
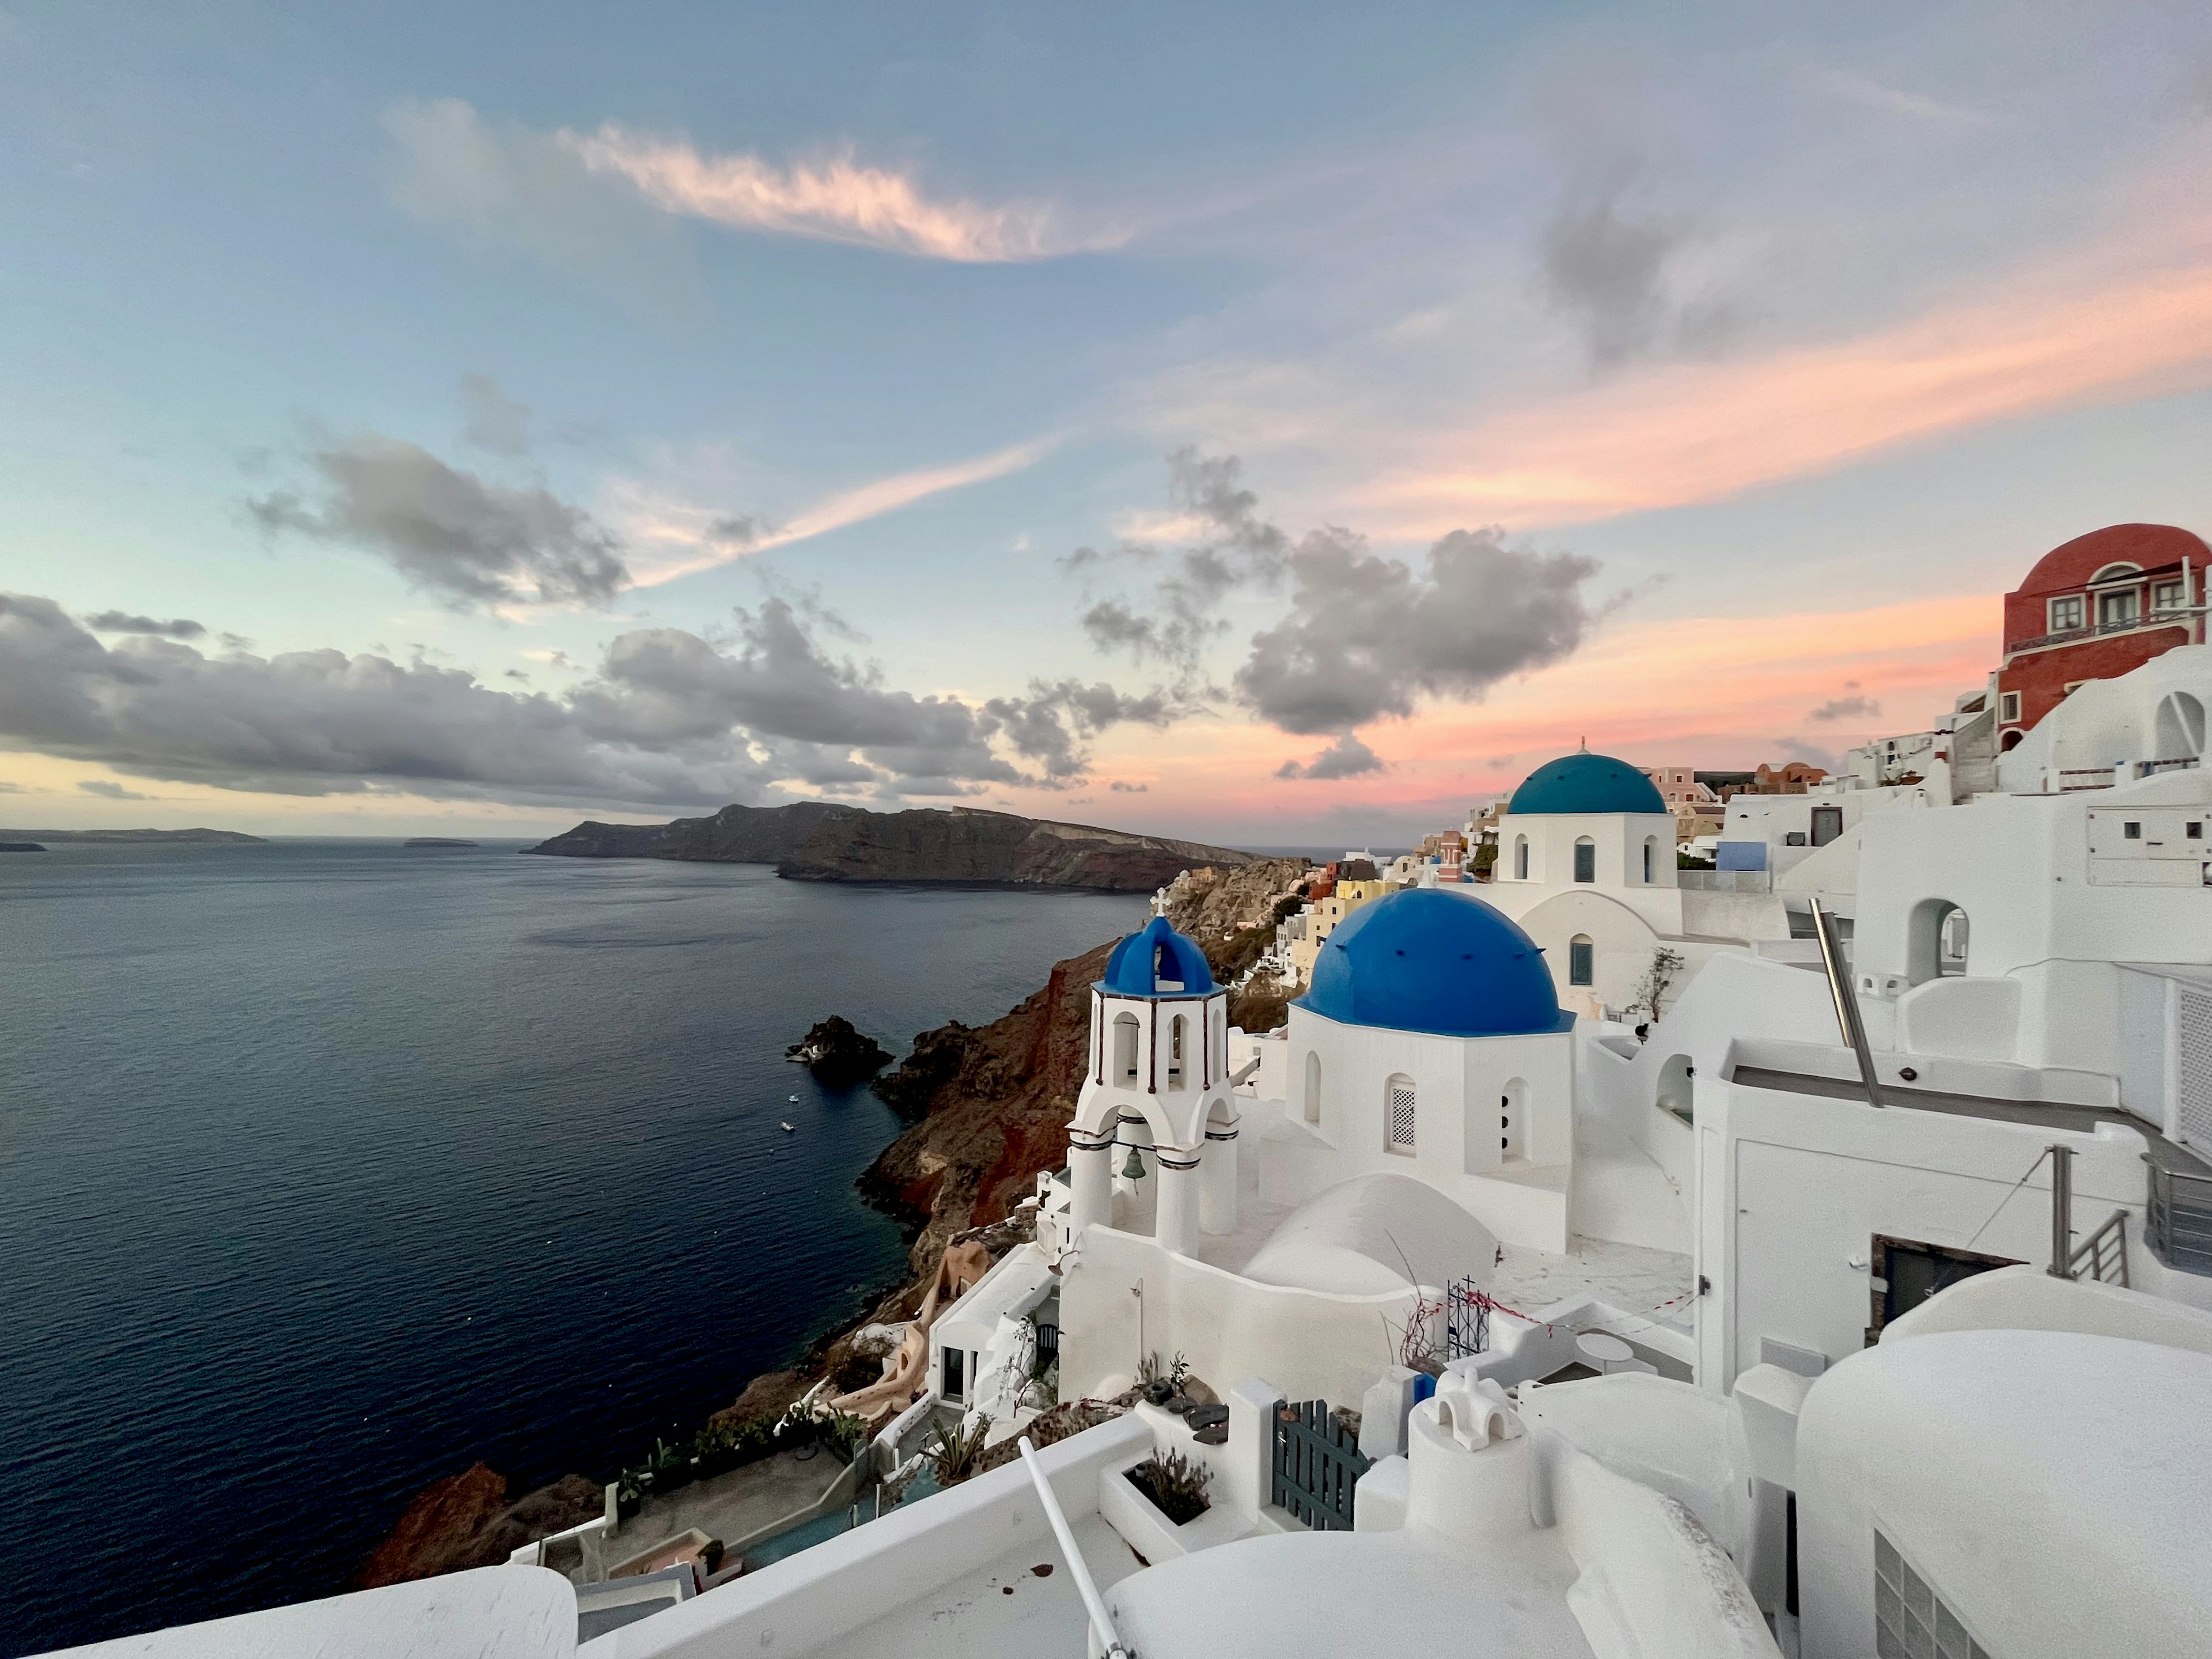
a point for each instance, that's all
(329, 1168)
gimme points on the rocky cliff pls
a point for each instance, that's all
(466, 1521)
(811, 841)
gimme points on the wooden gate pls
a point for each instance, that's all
(1316, 1464)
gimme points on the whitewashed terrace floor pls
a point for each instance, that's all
(1043, 1618)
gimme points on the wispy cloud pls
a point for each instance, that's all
(834, 197)
(1896, 101)
(673, 535)
(2132, 323)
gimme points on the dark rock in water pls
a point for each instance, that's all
(466, 1520)
(962, 846)
(436, 841)
(838, 1053)
(21, 846)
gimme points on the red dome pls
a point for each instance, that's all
(2148, 546)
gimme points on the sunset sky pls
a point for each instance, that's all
(1270, 424)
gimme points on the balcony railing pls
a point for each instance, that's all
(2178, 1219)
(2068, 635)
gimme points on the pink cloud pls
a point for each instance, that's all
(2136, 320)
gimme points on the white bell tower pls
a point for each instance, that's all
(1155, 1104)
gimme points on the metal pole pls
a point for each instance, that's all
(1846, 1000)
(2061, 1211)
(1101, 1621)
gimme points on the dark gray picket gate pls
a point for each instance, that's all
(1317, 1463)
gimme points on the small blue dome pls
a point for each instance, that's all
(1426, 960)
(1158, 961)
(1586, 783)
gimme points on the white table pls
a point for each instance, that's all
(1603, 1354)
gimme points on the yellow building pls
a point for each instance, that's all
(1321, 918)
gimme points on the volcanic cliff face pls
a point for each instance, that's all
(812, 841)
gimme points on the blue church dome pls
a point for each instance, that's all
(1424, 960)
(1158, 961)
(1586, 783)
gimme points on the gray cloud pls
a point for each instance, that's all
(668, 720)
(7, 788)
(1238, 549)
(499, 186)
(1347, 757)
(449, 532)
(122, 621)
(740, 529)
(1122, 788)
(1366, 634)
(1845, 708)
(108, 789)
(496, 421)
(1609, 268)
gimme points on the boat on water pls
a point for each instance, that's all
(794, 1100)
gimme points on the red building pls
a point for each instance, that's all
(2093, 609)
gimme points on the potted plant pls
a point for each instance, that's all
(715, 1451)
(843, 1434)
(1161, 1379)
(671, 1468)
(1175, 1485)
(630, 1493)
(953, 1455)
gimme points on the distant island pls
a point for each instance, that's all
(21, 846)
(962, 846)
(436, 841)
(185, 837)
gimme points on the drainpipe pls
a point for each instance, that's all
(2061, 1213)
(1846, 1000)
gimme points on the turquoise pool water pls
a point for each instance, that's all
(827, 1527)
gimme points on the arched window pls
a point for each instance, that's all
(1167, 972)
(1125, 1049)
(1675, 1089)
(1313, 1087)
(1520, 857)
(1650, 859)
(1935, 940)
(1581, 960)
(1174, 1052)
(1585, 859)
(1398, 1102)
(2180, 727)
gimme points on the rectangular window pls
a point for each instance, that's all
(1580, 962)
(2120, 609)
(954, 1386)
(2066, 614)
(1585, 862)
(1910, 1620)
(2132, 830)
(1401, 1115)
(2196, 829)
(2167, 596)
(2008, 707)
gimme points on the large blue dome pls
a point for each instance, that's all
(1425, 960)
(1586, 783)
(1158, 961)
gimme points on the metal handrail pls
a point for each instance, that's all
(1846, 1000)
(1102, 1622)
(2091, 1253)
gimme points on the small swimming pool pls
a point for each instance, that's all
(823, 1529)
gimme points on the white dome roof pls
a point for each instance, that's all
(1358, 1238)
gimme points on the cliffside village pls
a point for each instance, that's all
(1680, 1213)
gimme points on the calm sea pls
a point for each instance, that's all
(328, 1168)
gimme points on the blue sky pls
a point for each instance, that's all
(692, 403)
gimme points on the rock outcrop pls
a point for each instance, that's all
(811, 841)
(466, 1520)
(187, 838)
(838, 1053)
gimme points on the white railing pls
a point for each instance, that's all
(1101, 1621)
